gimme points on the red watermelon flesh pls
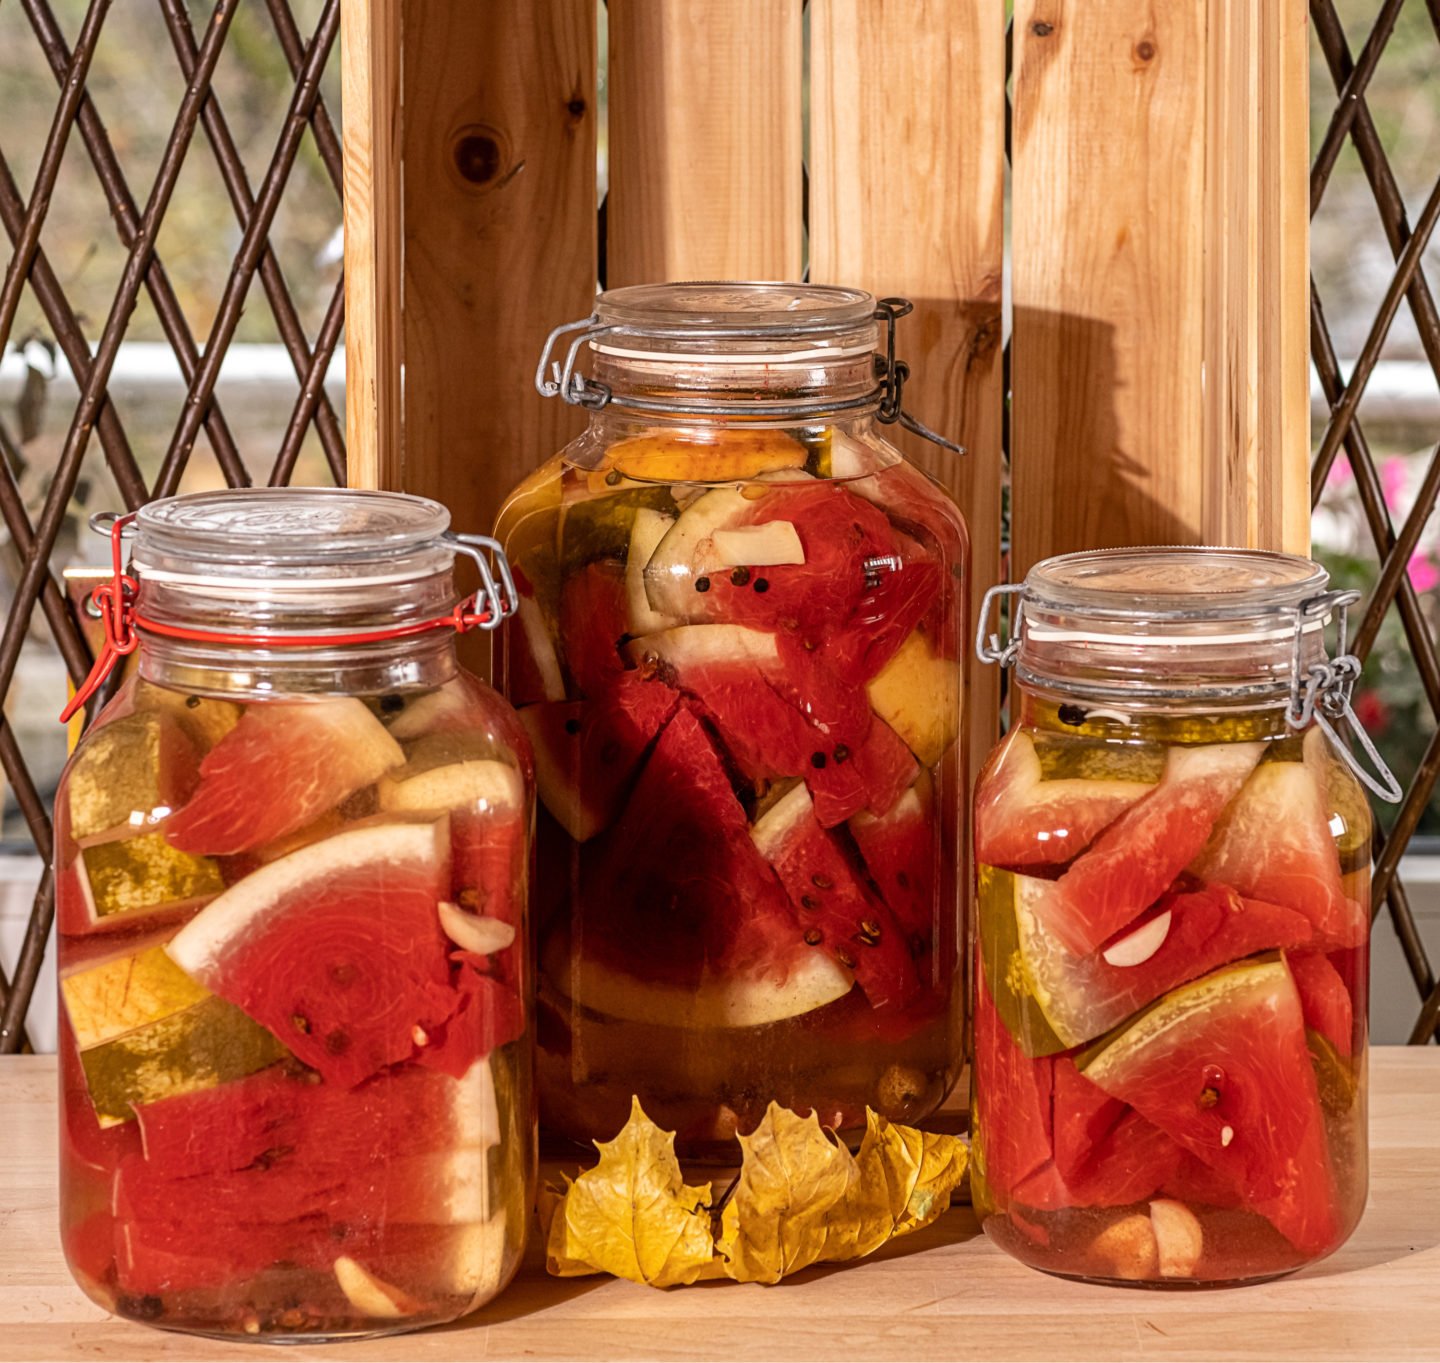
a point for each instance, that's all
(874, 776)
(1128, 1164)
(900, 854)
(594, 620)
(832, 904)
(838, 531)
(1274, 843)
(884, 616)
(1194, 1182)
(688, 896)
(1084, 996)
(1021, 819)
(1221, 1065)
(1324, 999)
(287, 1111)
(283, 765)
(588, 752)
(1134, 861)
(1084, 1116)
(336, 948)
(1013, 1100)
(491, 1014)
(487, 862)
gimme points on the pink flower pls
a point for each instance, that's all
(1393, 481)
(1340, 474)
(1371, 712)
(1424, 574)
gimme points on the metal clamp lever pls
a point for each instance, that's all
(1321, 694)
(987, 646)
(495, 601)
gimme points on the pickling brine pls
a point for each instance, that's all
(1173, 915)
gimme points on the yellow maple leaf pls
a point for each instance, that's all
(632, 1214)
(801, 1198)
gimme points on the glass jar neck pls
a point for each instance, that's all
(789, 386)
(1199, 719)
(224, 666)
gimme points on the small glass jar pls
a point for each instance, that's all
(1171, 975)
(291, 860)
(739, 661)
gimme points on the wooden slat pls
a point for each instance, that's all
(500, 237)
(906, 182)
(370, 94)
(705, 140)
(1159, 248)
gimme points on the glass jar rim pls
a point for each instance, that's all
(738, 309)
(249, 529)
(1165, 587)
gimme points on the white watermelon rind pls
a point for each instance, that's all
(237, 914)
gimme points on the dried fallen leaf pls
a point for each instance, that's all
(632, 1214)
(801, 1198)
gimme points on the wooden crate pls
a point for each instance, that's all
(1157, 156)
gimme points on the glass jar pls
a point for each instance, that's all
(739, 661)
(291, 861)
(1173, 862)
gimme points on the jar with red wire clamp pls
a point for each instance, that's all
(291, 854)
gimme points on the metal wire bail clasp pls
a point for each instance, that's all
(988, 647)
(892, 374)
(497, 600)
(1321, 693)
(552, 379)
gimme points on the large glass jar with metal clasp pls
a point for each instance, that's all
(1173, 856)
(739, 660)
(291, 860)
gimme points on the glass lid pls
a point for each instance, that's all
(711, 308)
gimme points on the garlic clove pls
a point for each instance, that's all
(471, 932)
(1139, 946)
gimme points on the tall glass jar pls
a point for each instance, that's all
(1173, 858)
(291, 861)
(739, 661)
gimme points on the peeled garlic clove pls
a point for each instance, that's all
(1178, 1238)
(471, 932)
(1128, 1248)
(1140, 945)
(370, 1295)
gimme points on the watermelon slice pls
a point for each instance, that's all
(336, 948)
(688, 902)
(1136, 858)
(594, 623)
(837, 912)
(486, 803)
(1221, 1066)
(299, 1173)
(646, 532)
(901, 855)
(587, 752)
(813, 981)
(1083, 996)
(1013, 1102)
(1324, 999)
(283, 765)
(1023, 820)
(1129, 1163)
(129, 774)
(1275, 843)
(530, 666)
(885, 616)
(491, 1014)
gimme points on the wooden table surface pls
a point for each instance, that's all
(944, 1293)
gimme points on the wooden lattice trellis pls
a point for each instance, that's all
(76, 131)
